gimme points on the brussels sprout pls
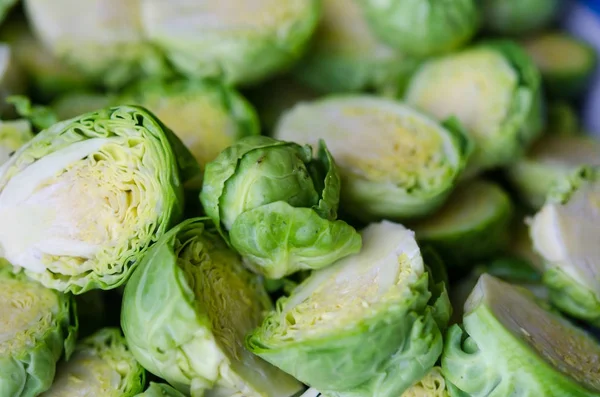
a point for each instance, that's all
(493, 89)
(515, 17)
(566, 63)
(276, 96)
(37, 326)
(75, 103)
(472, 224)
(276, 205)
(206, 116)
(240, 42)
(550, 159)
(363, 326)
(83, 200)
(510, 345)
(422, 28)
(13, 135)
(100, 366)
(346, 56)
(47, 75)
(104, 39)
(565, 233)
(186, 311)
(160, 390)
(395, 162)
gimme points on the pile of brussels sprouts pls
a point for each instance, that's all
(284, 198)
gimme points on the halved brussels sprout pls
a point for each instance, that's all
(276, 205)
(366, 326)
(13, 135)
(37, 327)
(472, 224)
(104, 39)
(423, 28)
(160, 390)
(239, 42)
(551, 158)
(566, 63)
(275, 96)
(565, 233)
(206, 115)
(515, 17)
(186, 311)
(83, 200)
(100, 366)
(511, 345)
(395, 162)
(493, 89)
(346, 55)
(74, 103)
(48, 76)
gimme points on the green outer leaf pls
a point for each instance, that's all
(176, 164)
(217, 172)
(29, 372)
(41, 117)
(469, 239)
(239, 55)
(571, 297)
(480, 360)
(423, 28)
(277, 239)
(169, 331)
(108, 346)
(516, 17)
(160, 390)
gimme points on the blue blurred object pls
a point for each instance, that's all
(582, 19)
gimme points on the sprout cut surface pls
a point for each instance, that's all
(394, 161)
